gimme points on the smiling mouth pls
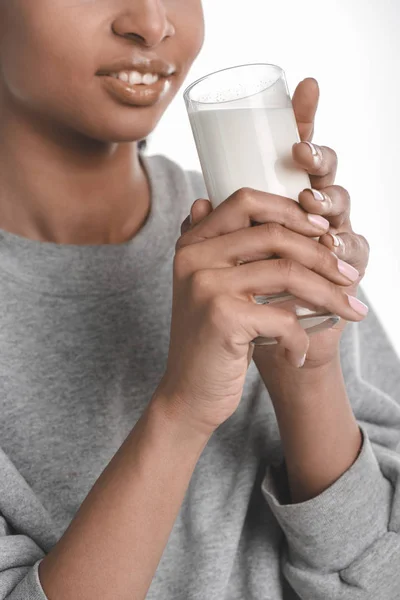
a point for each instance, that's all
(136, 78)
(136, 89)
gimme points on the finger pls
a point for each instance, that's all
(272, 277)
(185, 226)
(305, 105)
(332, 202)
(200, 209)
(247, 206)
(260, 243)
(320, 162)
(273, 322)
(352, 248)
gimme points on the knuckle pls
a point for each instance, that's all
(364, 244)
(343, 192)
(359, 252)
(289, 320)
(331, 153)
(219, 313)
(183, 241)
(202, 285)
(178, 244)
(293, 212)
(332, 290)
(323, 258)
(354, 245)
(286, 267)
(183, 262)
(357, 243)
(245, 198)
(275, 231)
(326, 294)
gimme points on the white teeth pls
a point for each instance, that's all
(135, 78)
(148, 79)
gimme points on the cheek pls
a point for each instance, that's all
(189, 25)
(40, 66)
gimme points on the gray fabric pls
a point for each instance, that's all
(84, 335)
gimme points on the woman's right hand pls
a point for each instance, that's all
(220, 264)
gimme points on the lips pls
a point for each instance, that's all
(121, 80)
(154, 66)
(138, 94)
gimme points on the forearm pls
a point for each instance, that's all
(114, 544)
(320, 435)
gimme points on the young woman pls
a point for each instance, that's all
(148, 457)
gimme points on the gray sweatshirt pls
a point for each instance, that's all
(84, 333)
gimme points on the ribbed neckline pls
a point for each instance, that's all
(65, 269)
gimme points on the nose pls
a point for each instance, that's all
(144, 21)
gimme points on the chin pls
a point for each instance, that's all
(119, 124)
(118, 130)
(119, 137)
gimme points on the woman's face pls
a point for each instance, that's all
(57, 56)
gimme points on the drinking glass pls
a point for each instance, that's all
(244, 128)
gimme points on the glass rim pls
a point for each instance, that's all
(195, 83)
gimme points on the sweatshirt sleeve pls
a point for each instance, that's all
(345, 543)
(26, 535)
(29, 588)
(19, 561)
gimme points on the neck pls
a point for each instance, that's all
(67, 189)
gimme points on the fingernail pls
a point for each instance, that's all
(348, 271)
(356, 304)
(321, 197)
(337, 241)
(316, 155)
(318, 221)
(317, 195)
(300, 364)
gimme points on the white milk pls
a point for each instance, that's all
(251, 147)
(248, 147)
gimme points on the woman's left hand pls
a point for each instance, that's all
(333, 203)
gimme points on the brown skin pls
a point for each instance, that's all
(319, 432)
(73, 138)
(54, 106)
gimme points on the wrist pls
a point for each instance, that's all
(319, 432)
(173, 413)
(285, 380)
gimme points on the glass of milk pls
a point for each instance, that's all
(244, 127)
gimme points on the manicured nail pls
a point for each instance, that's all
(321, 197)
(317, 195)
(337, 241)
(348, 271)
(356, 304)
(318, 221)
(316, 155)
(302, 361)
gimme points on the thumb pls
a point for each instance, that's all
(200, 210)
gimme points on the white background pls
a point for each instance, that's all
(352, 47)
